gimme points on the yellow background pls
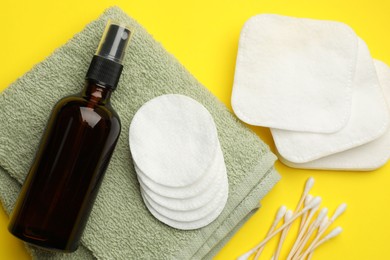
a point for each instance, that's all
(203, 35)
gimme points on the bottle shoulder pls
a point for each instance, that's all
(75, 101)
(77, 106)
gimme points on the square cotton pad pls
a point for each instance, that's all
(369, 120)
(294, 74)
(365, 157)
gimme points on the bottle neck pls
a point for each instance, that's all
(96, 93)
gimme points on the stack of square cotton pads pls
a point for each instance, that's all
(179, 162)
(315, 84)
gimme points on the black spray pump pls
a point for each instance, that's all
(106, 66)
(61, 186)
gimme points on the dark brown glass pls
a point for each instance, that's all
(60, 189)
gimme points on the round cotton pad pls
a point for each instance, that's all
(188, 191)
(192, 215)
(190, 224)
(173, 140)
(193, 202)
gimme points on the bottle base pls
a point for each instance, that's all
(42, 243)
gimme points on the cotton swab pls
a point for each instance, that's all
(307, 199)
(320, 228)
(321, 216)
(308, 185)
(287, 217)
(316, 224)
(340, 210)
(279, 215)
(335, 232)
(302, 232)
(304, 217)
(323, 223)
(304, 227)
(314, 202)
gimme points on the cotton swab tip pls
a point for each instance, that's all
(340, 210)
(322, 215)
(333, 233)
(281, 212)
(308, 199)
(323, 223)
(245, 256)
(314, 202)
(288, 215)
(314, 210)
(309, 184)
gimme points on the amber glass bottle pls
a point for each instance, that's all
(61, 186)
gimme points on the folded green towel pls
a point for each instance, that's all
(120, 227)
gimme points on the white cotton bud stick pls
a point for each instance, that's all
(304, 217)
(246, 255)
(308, 186)
(316, 223)
(302, 232)
(308, 199)
(315, 202)
(322, 226)
(279, 215)
(335, 232)
(287, 217)
(323, 223)
(340, 210)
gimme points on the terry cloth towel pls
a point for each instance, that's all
(120, 226)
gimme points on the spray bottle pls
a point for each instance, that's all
(60, 189)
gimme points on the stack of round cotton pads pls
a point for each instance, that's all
(178, 161)
(315, 85)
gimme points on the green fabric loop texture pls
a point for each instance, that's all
(120, 226)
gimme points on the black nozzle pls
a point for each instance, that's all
(106, 66)
(114, 43)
